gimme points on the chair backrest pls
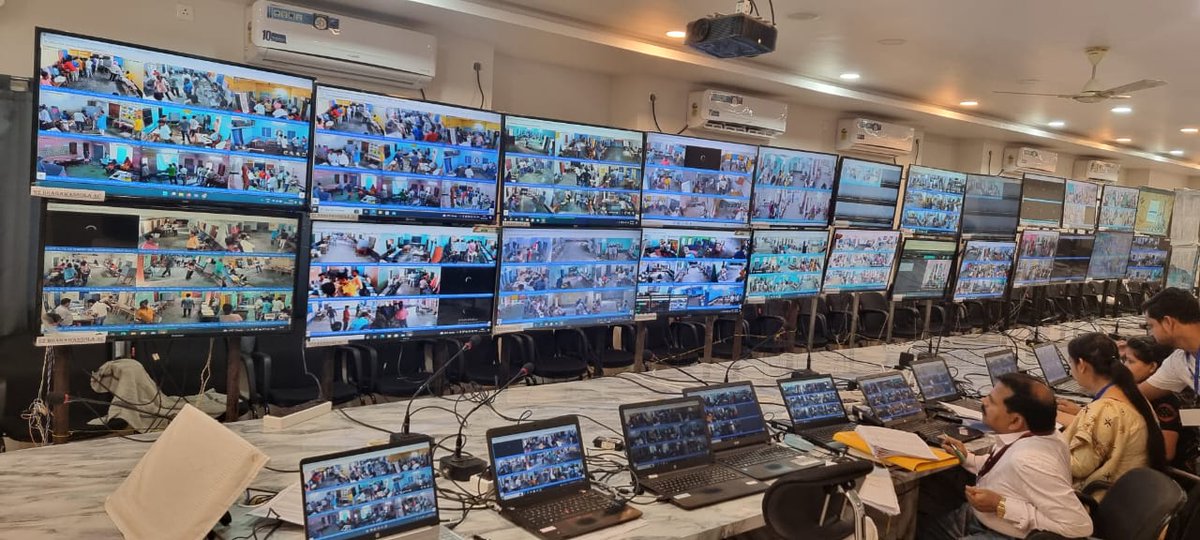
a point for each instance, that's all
(287, 362)
(3, 396)
(1138, 506)
(723, 328)
(793, 505)
(873, 300)
(767, 328)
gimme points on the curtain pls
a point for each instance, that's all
(19, 223)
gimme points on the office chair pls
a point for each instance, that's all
(490, 364)
(606, 354)
(395, 369)
(723, 331)
(821, 334)
(811, 503)
(767, 334)
(872, 316)
(280, 378)
(177, 367)
(552, 363)
(1139, 506)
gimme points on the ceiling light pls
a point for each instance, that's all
(1176, 152)
(677, 34)
(803, 16)
(1190, 131)
(1123, 140)
(969, 103)
(849, 76)
(892, 42)
(1122, 110)
(1056, 124)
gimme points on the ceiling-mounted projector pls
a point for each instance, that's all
(731, 36)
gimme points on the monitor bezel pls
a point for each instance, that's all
(1129, 253)
(1019, 257)
(903, 204)
(768, 224)
(833, 219)
(950, 277)
(1012, 264)
(1017, 222)
(1025, 223)
(750, 298)
(829, 255)
(1106, 228)
(654, 315)
(658, 223)
(1095, 223)
(1167, 226)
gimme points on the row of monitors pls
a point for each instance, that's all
(149, 271)
(152, 125)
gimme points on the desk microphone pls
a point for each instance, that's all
(460, 466)
(55, 399)
(475, 341)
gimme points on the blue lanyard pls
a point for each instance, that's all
(1100, 394)
(1196, 372)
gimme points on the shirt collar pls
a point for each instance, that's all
(1005, 439)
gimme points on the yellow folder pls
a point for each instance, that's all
(853, 440)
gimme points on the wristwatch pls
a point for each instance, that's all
(1000, 508)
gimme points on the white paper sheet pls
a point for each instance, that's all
(885, 442)
(963, 412)
(287, 505)
(879, 492)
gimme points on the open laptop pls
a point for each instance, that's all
(937, 385)
(815, 408)
(739, 434)
(373, 493)
(1000, 362)
(1054, 370)
(666, 442)
(894, 405)
(542, 481)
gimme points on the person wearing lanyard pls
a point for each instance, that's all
(1024, 484)
(1117, 431)
(1173, 317)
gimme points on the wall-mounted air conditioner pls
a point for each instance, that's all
(866, 136)
(1094, 169)
(1023, 159)
(730, 112)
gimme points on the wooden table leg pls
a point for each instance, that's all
(233, 378)
(60, 416)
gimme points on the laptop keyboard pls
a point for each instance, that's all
(1071, 386)
(764, 454)
(551, 512)
(689, 481)
(931, 431)
(969, 404)
(825, 433)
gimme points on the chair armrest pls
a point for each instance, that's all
(263, 361)
(352, 357)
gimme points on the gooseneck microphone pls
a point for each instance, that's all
(461, 466)
(475, 341)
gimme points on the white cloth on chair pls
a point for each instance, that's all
(126, 379)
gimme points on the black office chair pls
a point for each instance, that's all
(1139, 506)
(907, 321)
(280, 378)
(663, 346)
(723, 332)
(767, 334)
(810, 503)
(872, 316)
(821, 333)
(491, 363)
(606, 354)
(837, 313)
(395, 369)
(551, 363)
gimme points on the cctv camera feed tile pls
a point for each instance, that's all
(1118, 208)
(1182, 272)
(933, 201)
(1035, 261)
(890, 397)
(1042, 201)
(984, 271)
(374, 281)
(558, 278)
(557, 173)
(924, 269)
(1148, 259)
(867, 192)
(692, 271)
(1080, 205)
(1110, 258)
(400, 159)
(137, 272)
(1154, 211)
(992, 206)
(793, 188)
(697, 182)
(659, 435)
(379, 491)
(786, 264)
(141, 124)
(861, 260)
(732, 412)
(812, 400)
(1072, 258)
(530, 462)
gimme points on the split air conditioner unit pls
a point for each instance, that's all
(1023, 159)
(729, 112)
(1094, 169)
(866, 136)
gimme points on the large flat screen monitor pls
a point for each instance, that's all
(150, 272)
(793, 188)
(1042, 201)
(557, 173)
(143, 124)
(1154, 211)
(1110, 258)
(933, 201)
(697, 182)
(374, 281)
(1118, 208)
(924, 269)
(1182, 272)
(786, 264)
(866, 194)
(383, 157)
(983, 273)
(860, 260)
(692, 271)
(1035, 258)
(1185, 220)
(1072, 257)
(1080, 205)
(557, 278)
(992, 207)
(1148, 259)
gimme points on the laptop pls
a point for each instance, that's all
(894, 405)
(542, 481)
(666, 442)
(1000, 362)
(937, 385)
(1054, 370)
(372, 493)
(815, 408)
(739, 435)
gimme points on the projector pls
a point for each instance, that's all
(731, 36)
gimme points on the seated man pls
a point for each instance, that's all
(1024, 484)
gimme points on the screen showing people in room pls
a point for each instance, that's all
(660, 435)
(1148, 259)
(1110, 258)
(933, 201)
(136, 271)
(533, 461)
(786, 264)
(1042, 201)
(1072, 258)
(1080, 205)
(793, 188)
(375, 281)
(992, 207)
(812, 400)
(860, 260)
(693, 182)
(890, 397)
(1118, 208)
(934, 379)
(141, 124)
(557, 173)
(866, 194)
(1154, 211)
(398, 159)
(566, 278)
(1035, 260)
(732, 412)
(692, 271)
(984, 270)
(924, 269)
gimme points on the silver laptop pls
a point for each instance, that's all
(1054, 370)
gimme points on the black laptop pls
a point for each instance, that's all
(542, 481)
(815, 408)
(937, 385)
(1000, 362)
(1054, 370)
(739, 434)
(666, 442)
(894, 405)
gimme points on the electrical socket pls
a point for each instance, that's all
(477, 66)
(184, 12)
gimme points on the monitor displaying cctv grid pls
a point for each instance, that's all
(692, 182)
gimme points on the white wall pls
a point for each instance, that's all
(538, 89)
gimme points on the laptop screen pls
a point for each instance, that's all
(811, 401)
(890, 397)
(533, 461)
(369, 493)
(999, 363)
(934, 379)
(663, 434)
(732, 412)
(1051, 363)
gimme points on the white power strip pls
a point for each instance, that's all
(280, 423)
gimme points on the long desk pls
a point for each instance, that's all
(59, 491)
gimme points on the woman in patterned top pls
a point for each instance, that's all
(1143, 356)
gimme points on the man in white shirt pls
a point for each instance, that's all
(1024, 484)
(99, 311)
(66, 318)
(1173, 317)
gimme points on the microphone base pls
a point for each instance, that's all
(461, 468)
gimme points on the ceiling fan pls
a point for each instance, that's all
(1093, 91)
